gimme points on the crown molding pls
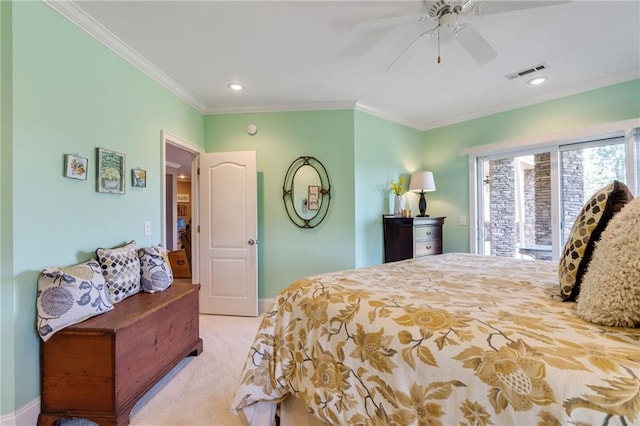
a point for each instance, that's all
(76, 15)
(382, 114)
(80, 18)
(312, 106)
(579, 88)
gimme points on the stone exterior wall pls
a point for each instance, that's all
(503, 231)
(542, 190)
(529, 220)
(503, 227)
(572, 189)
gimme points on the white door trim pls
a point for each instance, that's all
(169, 138)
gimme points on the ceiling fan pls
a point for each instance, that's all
(445, 14)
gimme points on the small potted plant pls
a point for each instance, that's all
(398, 200)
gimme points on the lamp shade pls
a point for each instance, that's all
(422, 182)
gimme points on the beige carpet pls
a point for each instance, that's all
(198, 391)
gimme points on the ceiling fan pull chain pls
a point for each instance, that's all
(438, 43)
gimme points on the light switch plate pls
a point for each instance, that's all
(147, 228)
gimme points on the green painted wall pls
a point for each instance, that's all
(362, 155)
(70, 95)
(451, 170)
(63, 92)
(384, 151)
(7, 377)
(286, 252)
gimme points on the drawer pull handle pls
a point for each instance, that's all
(428, 232)
(428, 247)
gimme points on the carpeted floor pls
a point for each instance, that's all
(198, 391)
(200, 388)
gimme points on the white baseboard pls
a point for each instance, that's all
(264, 305)
(25, 416)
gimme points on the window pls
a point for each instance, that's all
(525, 200)
(584, 169)
(516, 206)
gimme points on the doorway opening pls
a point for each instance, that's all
(180, 204)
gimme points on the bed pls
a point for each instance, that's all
(452, 339)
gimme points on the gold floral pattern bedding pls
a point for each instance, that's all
(454, 339)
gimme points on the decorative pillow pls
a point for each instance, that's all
(70, 295)
(155, 269)
(121, 271)
(610, 293)
(586, 230)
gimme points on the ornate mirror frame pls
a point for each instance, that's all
(319, 196)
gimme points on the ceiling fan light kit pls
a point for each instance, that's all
(537, 80)
(236, 87)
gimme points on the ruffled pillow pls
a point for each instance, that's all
(610, 293)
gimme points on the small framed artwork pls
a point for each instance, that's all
(314, 197)
(75, 166)
(110, 176)
(183, 198)
(139, 178)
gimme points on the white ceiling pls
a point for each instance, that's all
(294, 55)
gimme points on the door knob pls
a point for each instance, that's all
(251, 242)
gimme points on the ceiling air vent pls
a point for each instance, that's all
(527, 71)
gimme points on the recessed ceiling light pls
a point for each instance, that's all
(537, 81)
(236, 87)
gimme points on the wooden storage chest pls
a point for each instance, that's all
(99, 368)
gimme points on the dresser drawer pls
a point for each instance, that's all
(407, 237)
(424, 233)
(427, 248)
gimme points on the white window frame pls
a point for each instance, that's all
(546, 143)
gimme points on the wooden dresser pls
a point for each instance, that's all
(407, 237)
(99, 368)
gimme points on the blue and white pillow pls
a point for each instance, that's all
(156, 273)
(69, 295)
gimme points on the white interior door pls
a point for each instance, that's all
(228, 233)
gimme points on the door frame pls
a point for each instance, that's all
(169, 138)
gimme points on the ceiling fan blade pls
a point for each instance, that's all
(388, 22)
(474, 44)
(492, 7)
(419, 36)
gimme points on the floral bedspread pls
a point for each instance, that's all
(455, 339)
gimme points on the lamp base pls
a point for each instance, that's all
(422, 205)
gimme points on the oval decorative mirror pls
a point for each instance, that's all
(306, 192)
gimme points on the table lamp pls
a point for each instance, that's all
(422, 182)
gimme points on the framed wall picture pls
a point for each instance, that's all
(139, 178)
(314, 195)
(183, 198)
(110, 176)
(75, 166)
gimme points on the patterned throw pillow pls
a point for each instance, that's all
(610, 293)
(121, 271)
(70, 295)
(155, 268)
(586, 231)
